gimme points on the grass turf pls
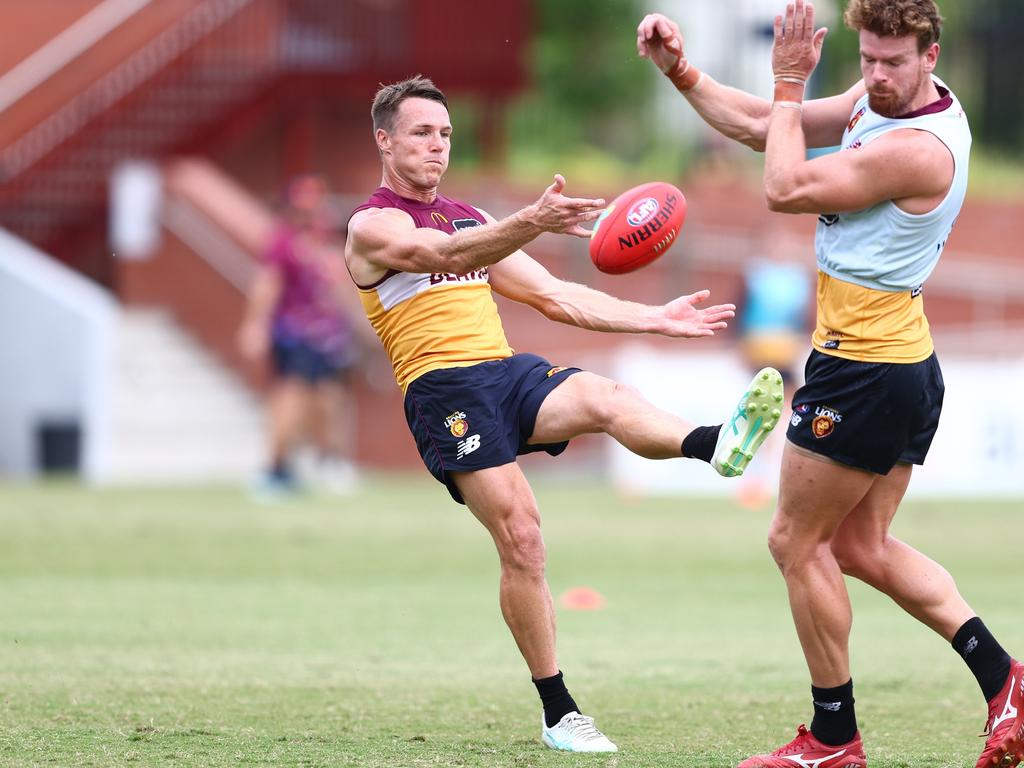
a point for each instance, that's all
(192, 627)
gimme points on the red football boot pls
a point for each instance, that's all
(805, 751)
(1004, 746)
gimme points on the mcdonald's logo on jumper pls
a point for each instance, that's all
(438, 218)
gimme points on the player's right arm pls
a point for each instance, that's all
(382, 239)
(736, 114)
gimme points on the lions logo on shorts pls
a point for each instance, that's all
(825, 420)
(822, 426)
(457, 424)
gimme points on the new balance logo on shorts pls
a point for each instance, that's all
(468, 445)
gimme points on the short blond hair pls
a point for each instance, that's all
(897, 18)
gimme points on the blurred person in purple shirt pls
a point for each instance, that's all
(295, 312)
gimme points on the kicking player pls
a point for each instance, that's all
(425, 266)
(886, 204)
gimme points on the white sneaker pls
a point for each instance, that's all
(338, 476)
(575, 733)
(756, 415)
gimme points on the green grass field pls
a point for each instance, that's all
(192, 627)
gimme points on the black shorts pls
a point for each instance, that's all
(867, 415)
(295, 358)
(480, 416)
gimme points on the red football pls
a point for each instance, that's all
(639, 226)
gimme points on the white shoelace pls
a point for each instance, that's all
(582, 727)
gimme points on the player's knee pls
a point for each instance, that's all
(847, 557)
(790, 547)
(612, 399)
(856, 559)
(522, 546)
(779, 547)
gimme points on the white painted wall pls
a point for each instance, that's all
(55, 348)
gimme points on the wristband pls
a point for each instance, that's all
(786, 91)
(787, 79)
(789, 105)
(688, 79)
(791, 73)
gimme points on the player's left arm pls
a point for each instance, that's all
(521, 278)
(912, 168)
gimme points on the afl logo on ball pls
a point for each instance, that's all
(642, 212)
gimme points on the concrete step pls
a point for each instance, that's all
(179, 415)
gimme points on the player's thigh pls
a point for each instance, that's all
(816, 494)
(330, 395)
(868, 524)
(291, 394)
(582, 404)
(500, 498)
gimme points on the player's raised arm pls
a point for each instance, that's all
(735, 114)
(912, 168)
(383, 239)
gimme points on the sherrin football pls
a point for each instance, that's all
(638, 227)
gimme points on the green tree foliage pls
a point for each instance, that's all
(588, 86)
(981, 59)
(590, 95)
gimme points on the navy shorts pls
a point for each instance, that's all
(867, 415)
(481, 415)
(296, 358)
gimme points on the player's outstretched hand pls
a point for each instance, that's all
(797, 47)
(658, 38)
(683, 318)
(554, 212)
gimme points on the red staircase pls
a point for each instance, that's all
(172, 76)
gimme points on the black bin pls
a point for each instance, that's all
(58, 446)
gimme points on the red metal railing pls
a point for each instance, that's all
(162, 82)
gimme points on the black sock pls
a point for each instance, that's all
(555, 698)
(984, 655)
(700, 444)
(835, 721)
(281, 470)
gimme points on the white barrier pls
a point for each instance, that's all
(55, 346)
(978, 451)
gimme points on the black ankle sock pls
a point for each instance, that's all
(835, 721)
(700, 444)
(984, 655)
(555, 698)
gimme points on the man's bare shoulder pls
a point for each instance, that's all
(915, 165)
(371, 232)
(913, 148)
(371, 217)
